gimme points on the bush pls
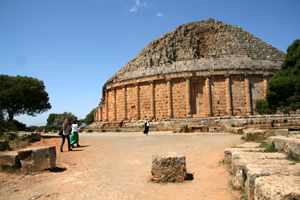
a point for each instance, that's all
(185, 128)
(262, 107)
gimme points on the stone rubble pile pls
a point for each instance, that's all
(266, 175)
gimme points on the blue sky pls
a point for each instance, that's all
(75, 46)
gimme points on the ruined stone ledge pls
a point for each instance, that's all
(228, 152)
(256, 171)
(277, 187)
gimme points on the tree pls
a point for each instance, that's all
(89, 118)
(262, 107)
(51, 118)
(22, 95)
(61, 117)
(284, 87)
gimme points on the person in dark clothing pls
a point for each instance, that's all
(66, 134)
(147, 124)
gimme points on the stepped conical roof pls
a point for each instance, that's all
(207, 45)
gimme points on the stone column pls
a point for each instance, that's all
(100, 114)
(228, 95)
(95, 114)
(265, 84)
(114, 104)
(208, 95)
(124, 103)
(137, 101)
(248, 95)
(106, 105)
(152, 99)
(188, 96)
(169, 86)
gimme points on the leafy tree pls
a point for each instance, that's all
(51, 118)
(262, 107)
(284, 87)
(61, 117)
(89, 118)
(22, 95)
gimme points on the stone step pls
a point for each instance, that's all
(286, 143)
(277, 187)
(256, 171)
(228, 152)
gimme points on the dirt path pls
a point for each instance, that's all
(118, 166)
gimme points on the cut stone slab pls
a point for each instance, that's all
(236, 130)
(277, 132)
(37, 159)
(240, 164)
(286, 143)
(36, 136)
(257, 155)
(4, 145)
(228, 152)
(254, 132)
(255, 171)
(169, 168)
(249, 145)
(277, 187)
(9, 159)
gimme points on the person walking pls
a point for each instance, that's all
(147, 124)
(66, 134)
(74, 134)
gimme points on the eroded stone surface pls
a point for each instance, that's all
(169, 168)
(249, 145)
(9, 159)
(255, 171)
(37, 159)
(228, 152)
(4, 145)
(277, 187)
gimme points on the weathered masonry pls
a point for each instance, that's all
(201, 69)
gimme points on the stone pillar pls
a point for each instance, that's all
(95, 114)
(228, 95)
(152, 99)
(169, 86)
(208, 95)
(137, 101)
(265, 84)
(106, 105)
(100, 114)
(114, 104)
(248, 95)
(124, 103)
(188, 96)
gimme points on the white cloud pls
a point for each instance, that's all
(134, 9)
(137, 5)
(159, 15)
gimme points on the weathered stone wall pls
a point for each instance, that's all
(238, 94)
(178, 98)
(218, 96)
(201, 69)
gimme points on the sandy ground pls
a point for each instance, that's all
(118, 166)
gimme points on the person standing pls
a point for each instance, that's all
(147, 124)
(66, 134)
(74, 134)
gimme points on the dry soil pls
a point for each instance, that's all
(118, 166)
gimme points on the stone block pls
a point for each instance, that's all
(169, 168)
(257, 155)
(294, 145)
(255, 171)
(36, 136)
(254, 133)
(38, 158)
(240, 164)
(277, 132)
(249, 145)
(4, 145)
(228, 152)
(277, 187)
(9, 159)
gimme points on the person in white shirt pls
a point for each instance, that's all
(74, 134)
